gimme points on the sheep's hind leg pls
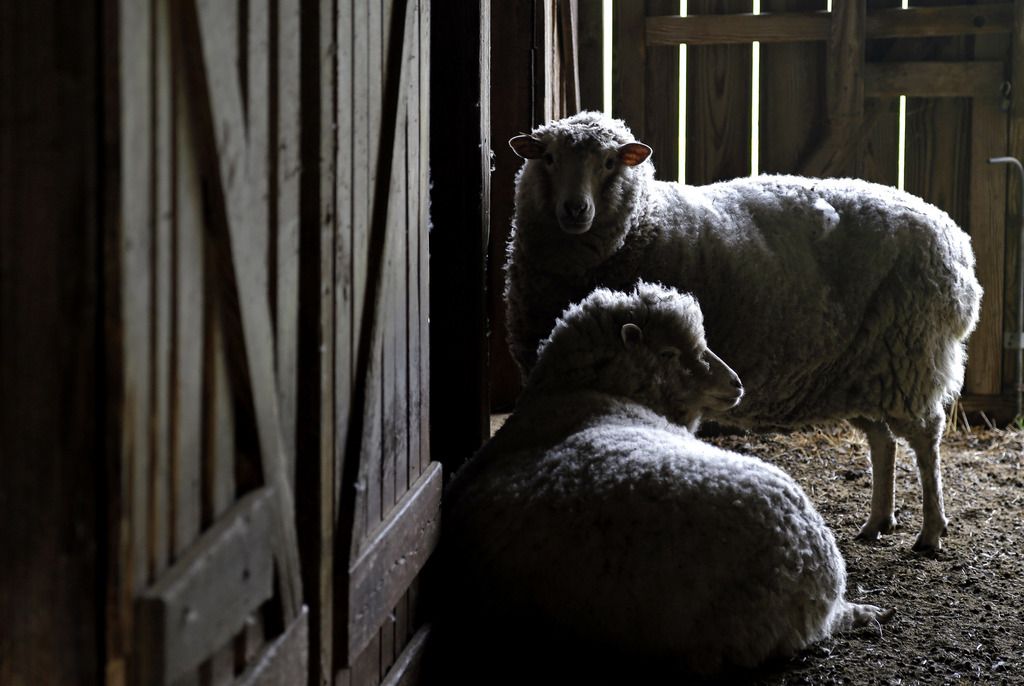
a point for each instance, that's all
(924, 437)
(882, 519)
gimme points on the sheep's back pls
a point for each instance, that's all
(810, 288)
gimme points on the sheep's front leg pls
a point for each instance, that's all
(924, 437)
(882, 519)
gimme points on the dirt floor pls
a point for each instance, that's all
(959, 614)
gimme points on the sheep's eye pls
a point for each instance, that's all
(609, 163)
(669, 354)
(549, 158)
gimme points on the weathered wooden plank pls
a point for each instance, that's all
(880, 144)
(987, 228)
(934, 79)
(219, 117)
(629, 55)
(789, 126)
(381, 575)
(511, 47)
(591, 54)
(286, 199)
(661, 113)
(407, 668)
(718, 91)
(568, 33)
(987, 207)
(727, 29)
(955, 20)
(411, 261)
(1015, 148)
(204, 598)
(136, 153)
(164, 227)
(795, 27)
(938, 135)
(186, 453)
(326, 66)
(285, 660)
(423, 268)
(219, 450)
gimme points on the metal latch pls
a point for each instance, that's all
(1013, 340)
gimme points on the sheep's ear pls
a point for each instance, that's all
(632, 335)
(527, 147)
(633, 154)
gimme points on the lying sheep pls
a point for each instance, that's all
(833, 298)
(596, 516)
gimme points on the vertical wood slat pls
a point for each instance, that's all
(423, 268)
(188, 344)
(187, 365)
(661, 116)
(164, 225)
(1013, 227)
(792, 95)
(938, 136)
(987, 208)
(629, 56)
(136, 249)
(880, 145)
(325, 56)
(568, 48)
(591, 55)
(286, 197)
(987, 227)
(718, 92)
(219, 457)
(512, 25)
(392, 392)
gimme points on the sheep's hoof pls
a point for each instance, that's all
(864, 615)
(873, 529)
(924, 546)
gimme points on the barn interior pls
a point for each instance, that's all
(251, 313)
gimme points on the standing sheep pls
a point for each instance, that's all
(832, 298)
(595, 516)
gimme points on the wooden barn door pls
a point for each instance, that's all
(388, 502)
(204, 584)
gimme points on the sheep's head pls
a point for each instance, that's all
(582, 172)
(647, 345)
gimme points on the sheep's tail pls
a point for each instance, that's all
(855, 615)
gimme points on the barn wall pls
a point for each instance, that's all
(50, 305)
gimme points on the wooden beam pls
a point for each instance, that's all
(205, 597)
(934, 79)
(797, 27)
(393, 558)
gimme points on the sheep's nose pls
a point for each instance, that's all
(736, 383)
(576, 208)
